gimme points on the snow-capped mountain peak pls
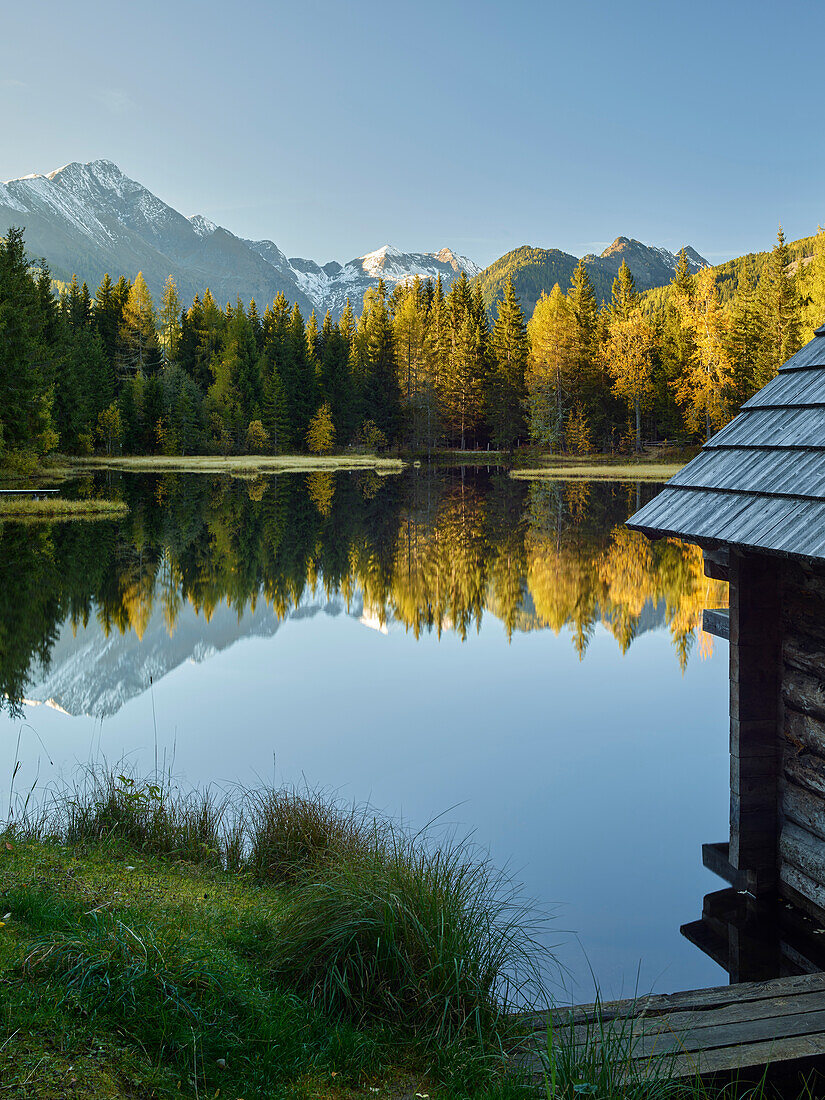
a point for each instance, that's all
(91, 218)
(202, 226)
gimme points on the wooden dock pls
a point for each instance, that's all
(703, 1031)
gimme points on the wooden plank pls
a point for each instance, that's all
(704, 1031)
(806, 769)
(707, 1028)
(803, 884)
(747, 1056)
(803, 850)
(730, 1035)
(804, 692)
(716, 621)
(803, 732)
(802, 807)
(811, 355)
(692, 999)
(806, 653)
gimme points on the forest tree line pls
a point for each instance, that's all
(418, 369)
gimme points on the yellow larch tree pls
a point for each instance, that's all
(553, 336)
(627, 353)
(705, 386)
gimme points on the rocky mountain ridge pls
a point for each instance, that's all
(89, 219)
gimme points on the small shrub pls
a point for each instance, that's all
(257, 437)
(86, 443)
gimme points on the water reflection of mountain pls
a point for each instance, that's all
(93, 673)
(89, 612)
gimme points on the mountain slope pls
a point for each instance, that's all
(89, 219)
(330, 286)
(534, 270)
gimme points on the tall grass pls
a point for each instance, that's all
(430, 938)
(154, 817)
(374, 924)
(292, 833)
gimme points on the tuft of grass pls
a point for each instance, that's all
(429, 938)
(292, 833)
(55, 507)
(153, 817)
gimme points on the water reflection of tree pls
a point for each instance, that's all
(433, 550)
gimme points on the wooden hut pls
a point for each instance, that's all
(754, 500)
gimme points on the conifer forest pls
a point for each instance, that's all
(417, 370)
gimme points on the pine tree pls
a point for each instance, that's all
(745, 338)
(625, 298)
(509, 349)
(274, 413)
(780, 306)
(382, 396)
(25, 395)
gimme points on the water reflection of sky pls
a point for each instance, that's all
(598, 780)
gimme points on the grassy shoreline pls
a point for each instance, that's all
(59, 508)
(282, 945)
(274, 944)
(251, 464)
(599, 471)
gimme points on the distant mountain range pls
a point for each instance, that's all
(90, 219)
(534, 270)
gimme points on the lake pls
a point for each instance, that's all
(502, 656)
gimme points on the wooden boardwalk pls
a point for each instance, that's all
(729, 1028)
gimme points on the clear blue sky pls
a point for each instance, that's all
(333, 127)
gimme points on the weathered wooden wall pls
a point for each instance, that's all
(801, 778)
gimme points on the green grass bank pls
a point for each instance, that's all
(274, 943)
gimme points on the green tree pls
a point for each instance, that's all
(25, 358)
(510, 348)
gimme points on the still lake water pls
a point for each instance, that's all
(446, 643)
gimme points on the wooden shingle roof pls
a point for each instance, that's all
(760, 481)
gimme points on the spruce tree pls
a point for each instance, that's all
(25, 366)
(382, 395)
(509, 349)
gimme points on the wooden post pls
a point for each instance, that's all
(755, 717)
